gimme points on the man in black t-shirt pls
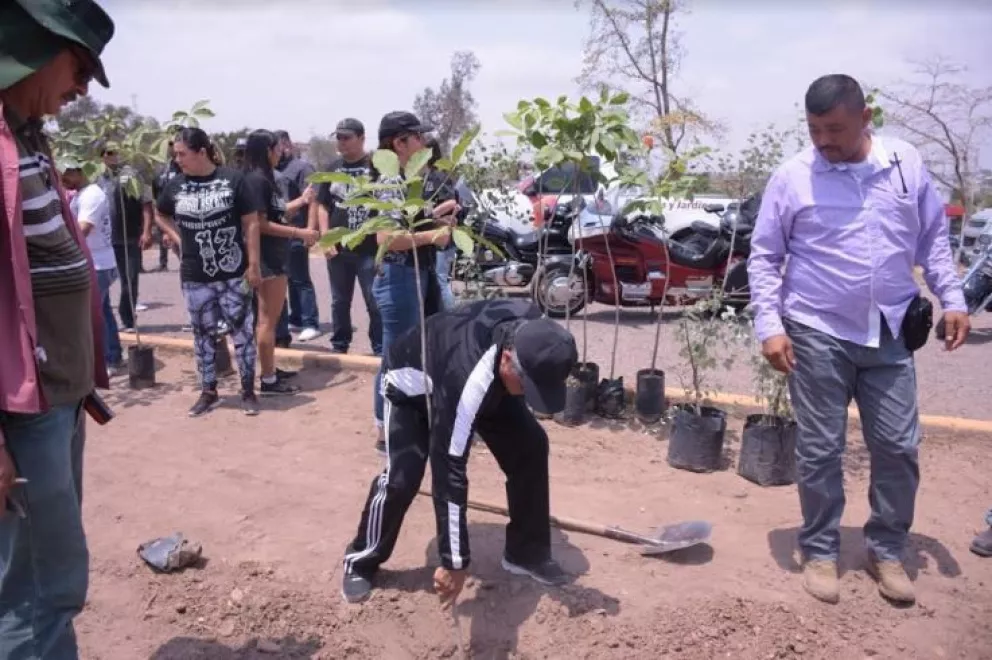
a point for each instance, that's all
(302, 299)
(164, 175)
(131, 228)
(344, 266)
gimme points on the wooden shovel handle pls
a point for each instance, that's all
(567, 524)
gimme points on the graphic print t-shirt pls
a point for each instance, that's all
(332, 194)
(272, 196)
(207, 211)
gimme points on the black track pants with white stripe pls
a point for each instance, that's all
(518, 443)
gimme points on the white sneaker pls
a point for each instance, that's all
(141, 307)
(295, 328)
(309, 334)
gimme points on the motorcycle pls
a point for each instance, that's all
(708, 259)
(523, 253)
(977, 285)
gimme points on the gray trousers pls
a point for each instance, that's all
(829, 373)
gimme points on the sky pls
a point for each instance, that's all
(302, 65)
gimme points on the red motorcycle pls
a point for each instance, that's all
(697, 266)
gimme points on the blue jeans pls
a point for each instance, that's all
(830, 373)
(395, 293)
(113, 353)
(443, 263)
(342, 271)
(44, 563)
(302, 297)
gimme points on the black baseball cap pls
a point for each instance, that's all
(241, 143)
(399, 123)
(33, 32)
(350, 125)
(547, 355)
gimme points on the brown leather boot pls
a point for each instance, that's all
(820, 580)
(893, 583)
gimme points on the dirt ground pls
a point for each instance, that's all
(274, 499)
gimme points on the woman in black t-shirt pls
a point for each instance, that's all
(216, 214)
(261, 157)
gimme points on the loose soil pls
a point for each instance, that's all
(274, 499)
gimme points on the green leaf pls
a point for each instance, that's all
(355, 238)
(463, 240)
(444, 165)
(204, 112)
(331, 177)
(386, 163)
(550, 156)
(417, 162)
(463, 143)
(514, 119)
(381, 252)
(620, 99)
(199, 105)
(333, 237)
(505, 133)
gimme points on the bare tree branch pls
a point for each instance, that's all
(633, 46)
(946, 119)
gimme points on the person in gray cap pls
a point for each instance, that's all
(51, 355)
(346, 266)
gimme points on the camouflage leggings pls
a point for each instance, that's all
(207, 304)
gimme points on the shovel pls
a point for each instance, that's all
(667, 539)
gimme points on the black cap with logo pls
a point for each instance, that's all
(401, 123)
(547, 355)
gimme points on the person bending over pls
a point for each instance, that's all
(487, 362)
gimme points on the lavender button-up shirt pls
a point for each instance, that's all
(848, 236)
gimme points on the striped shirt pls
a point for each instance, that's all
(57, 263)
(60, 273)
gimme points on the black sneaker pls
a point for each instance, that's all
(380, 444)
(355, 588)
(278, 387)
(208, 401)
(249, 403)
(337, 350)
(547, 572)
(283, 374)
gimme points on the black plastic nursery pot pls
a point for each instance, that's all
(588, 374)
(649, 397)
(768, 451)
(696, 440)
(141, 366)
(575, 402)
(222, 357)
(610, 398)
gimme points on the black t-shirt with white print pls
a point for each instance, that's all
(332, 194)
(272, 194)
(207, 211)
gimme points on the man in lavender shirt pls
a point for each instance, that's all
(841, 227)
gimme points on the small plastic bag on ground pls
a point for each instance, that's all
(170, 553)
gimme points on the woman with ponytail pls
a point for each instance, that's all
(261, 157)
(213, 214)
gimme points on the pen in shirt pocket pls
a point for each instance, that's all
(898, 163)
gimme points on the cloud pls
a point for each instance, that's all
(304, 65)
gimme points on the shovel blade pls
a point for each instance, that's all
(678, 537)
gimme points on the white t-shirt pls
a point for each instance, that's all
(90, 206)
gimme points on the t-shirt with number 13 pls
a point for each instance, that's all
(207, 211)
